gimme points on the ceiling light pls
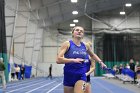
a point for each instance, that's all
(128, 4)
(74, 1)
(75, 21)
(122, 13)
(72, 25)
(74, 12)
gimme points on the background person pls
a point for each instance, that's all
(12, 72)
(50, 72)
(2, 75)
(90, 69)
(17, 69)
(22, 70)
(132, 67)
(138, 74)
(90, 65)
(120, 68)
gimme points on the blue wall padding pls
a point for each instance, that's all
(28, 70)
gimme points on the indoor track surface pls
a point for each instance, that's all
(55, 85)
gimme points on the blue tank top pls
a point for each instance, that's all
(75, 51)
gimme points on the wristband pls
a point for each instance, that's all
(100, 62)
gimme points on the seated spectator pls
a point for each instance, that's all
(138, 69)
(120, 68)
(115, 68)
(137, 63)
(138, 73)
(127, 66)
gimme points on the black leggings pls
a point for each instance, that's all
(17, 75)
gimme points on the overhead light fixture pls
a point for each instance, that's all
(74, 1)
(128, 4)
(122, 13)
(75, 21)
(74, 12)
(72, 25)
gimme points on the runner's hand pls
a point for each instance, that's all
(78, 60)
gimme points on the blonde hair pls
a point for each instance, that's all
(75, 28)
(90, 44)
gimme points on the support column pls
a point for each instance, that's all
(3, 46)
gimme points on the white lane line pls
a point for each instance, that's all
(39, 87)
(54, 88)
(24, 87)
(21, 82)
(27, 83)
(107, 89)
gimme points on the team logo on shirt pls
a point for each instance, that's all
(79, 52)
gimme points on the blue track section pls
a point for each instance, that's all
(101, 86)
(55, 85)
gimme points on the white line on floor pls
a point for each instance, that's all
(25, 87)
(54, 88)
(39, 87)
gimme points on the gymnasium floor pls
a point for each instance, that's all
(45, 85)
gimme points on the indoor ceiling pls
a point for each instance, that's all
(57, 12)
